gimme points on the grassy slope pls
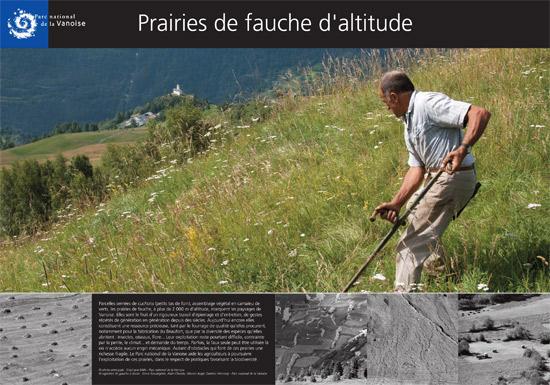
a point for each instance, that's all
(87, 143)
(282, 205)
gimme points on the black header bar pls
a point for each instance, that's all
(299, 24)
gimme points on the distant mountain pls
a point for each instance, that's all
(40, 88)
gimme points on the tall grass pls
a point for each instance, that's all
(282, 204)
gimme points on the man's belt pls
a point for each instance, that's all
(465, 168)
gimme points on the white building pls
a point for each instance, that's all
(177, 91)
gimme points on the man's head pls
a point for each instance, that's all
(395, 91)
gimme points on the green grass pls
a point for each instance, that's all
(281, 206)
(80, 142)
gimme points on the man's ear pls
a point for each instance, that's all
(394, 98)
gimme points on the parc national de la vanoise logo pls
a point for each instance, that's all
(22, 25)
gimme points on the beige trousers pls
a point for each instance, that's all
(421, 241)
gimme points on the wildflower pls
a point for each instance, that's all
(293, 253)
(379, 277)
(223, 282)
(533, 205)
(39, 250)
(91, 240)
(248, 239)
(225, 262)
(302, 235)
(45, 284)
(211, 249)
(270, 232)
(376, 147)
(482, 287)
(64, 276)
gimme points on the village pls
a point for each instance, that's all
(139, 120)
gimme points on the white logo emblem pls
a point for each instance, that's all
(23, 25)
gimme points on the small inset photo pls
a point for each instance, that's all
(412, 339)
(504, 339)
(321, 338)
(45, 339)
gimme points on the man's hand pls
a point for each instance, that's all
(455, 158)
(389, 211)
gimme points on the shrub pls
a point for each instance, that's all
(488, 324)
(482, 338)
(463, 348)
(531, 353)
(502, 381)
(545, 338)
(468, 338)
(518, 333)
(534, 377)
(538, 361)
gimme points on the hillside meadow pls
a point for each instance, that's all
(282, 204)
(92, 144)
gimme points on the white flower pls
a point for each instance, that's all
(247, 239)
(379, 277)
(376, 147)
(270, 232)
(225, 262)
(293, 253)
(211, 249)
(482, 287)
(91, 240)
(44, 284)
(533, 205)
(302, 235)
(223, 282)
(39, 250)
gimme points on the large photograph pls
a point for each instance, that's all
(258, 170)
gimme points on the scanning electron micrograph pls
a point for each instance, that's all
(366, 339)
(45, 339)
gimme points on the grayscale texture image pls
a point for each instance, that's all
(321, 338)
(412, 339)
(369, 339)
(45, 339)
(504, 339)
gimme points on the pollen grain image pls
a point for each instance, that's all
(257, 170)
